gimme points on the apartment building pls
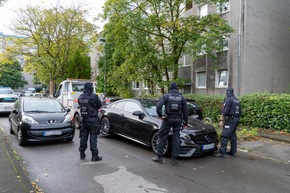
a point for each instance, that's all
(256, 56)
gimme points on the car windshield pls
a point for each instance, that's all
(8, 99)
(6, 91)
(150, 107)
(191, 104)
(42, 105)
(78, 87)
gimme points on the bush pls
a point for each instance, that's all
(259, 110)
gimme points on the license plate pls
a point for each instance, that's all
(208, 146)
(8, 108)
(53, 132)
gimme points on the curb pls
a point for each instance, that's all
(276, 137)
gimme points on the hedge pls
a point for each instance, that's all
(261, 110)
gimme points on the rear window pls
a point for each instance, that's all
(6, 91)
(8, 100)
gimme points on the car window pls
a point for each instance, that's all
(42, 105)
(120, 105)
(76, 87)
(191, 105)
(132, 106)
(8, 99)
(150, 107)
(6, 91)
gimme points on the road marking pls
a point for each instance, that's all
(92, 163)
(123, 181)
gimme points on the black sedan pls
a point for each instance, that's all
(36, 119)
(137, 120)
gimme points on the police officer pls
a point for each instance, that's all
(89, 103)
(175, 115)
(231, 112)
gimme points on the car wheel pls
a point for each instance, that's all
(77, 121)
(105, 126)
(154, 143)
(10, 128)
(20, 138)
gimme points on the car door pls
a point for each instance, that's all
(15, 116)
(132, 122)
(116, 116)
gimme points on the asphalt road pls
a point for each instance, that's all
(127, 168)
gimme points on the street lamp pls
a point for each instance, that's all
(105, 64)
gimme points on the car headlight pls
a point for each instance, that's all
(67, 119)
(185, 136)
(28, 119)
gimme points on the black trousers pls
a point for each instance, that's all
(229, 133)
(163, 136)
(89, 128)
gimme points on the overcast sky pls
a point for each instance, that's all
(7, 11)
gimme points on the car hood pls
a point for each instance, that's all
(44, 118)
(196, 126)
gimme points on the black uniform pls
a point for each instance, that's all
(231, 112)
(89, 103)
(175, 115)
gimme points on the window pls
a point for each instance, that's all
(223, 7)
(145, 84)
(135, 85)
(226, 43)
(131, 107)
(203, 10)
(201, 79)
(222, 78)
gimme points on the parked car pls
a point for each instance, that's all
(194, 109)
(6, 102)
(137, 120)
(35, 119)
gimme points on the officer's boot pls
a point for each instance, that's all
(158, 159)
(95, 158)
(173, 161)
(82, 155)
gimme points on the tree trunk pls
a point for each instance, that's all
(51, 87)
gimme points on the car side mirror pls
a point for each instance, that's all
(15, 111)
(67, 110)
(140, 114)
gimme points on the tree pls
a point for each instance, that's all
(10, 75)
(52, 38)
(151, 36)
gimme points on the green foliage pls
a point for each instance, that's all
(146, 40)
(10, 75)
(259, 110)
(79, 66)
(51, 39)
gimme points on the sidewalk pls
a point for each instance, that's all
(271, 146)
(12, 176)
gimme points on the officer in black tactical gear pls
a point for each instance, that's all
(175, 115)
(90, 104)
(231, 112)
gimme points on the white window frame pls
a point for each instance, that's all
(197, 81)
(222, 82)
(145, 85)
(135, 85)
(223, 8)
(203, 10)
(226, 43)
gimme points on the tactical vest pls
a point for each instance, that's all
(86, 108)
(236, 107)
(173, 105)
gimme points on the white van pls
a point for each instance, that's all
(68, 93)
